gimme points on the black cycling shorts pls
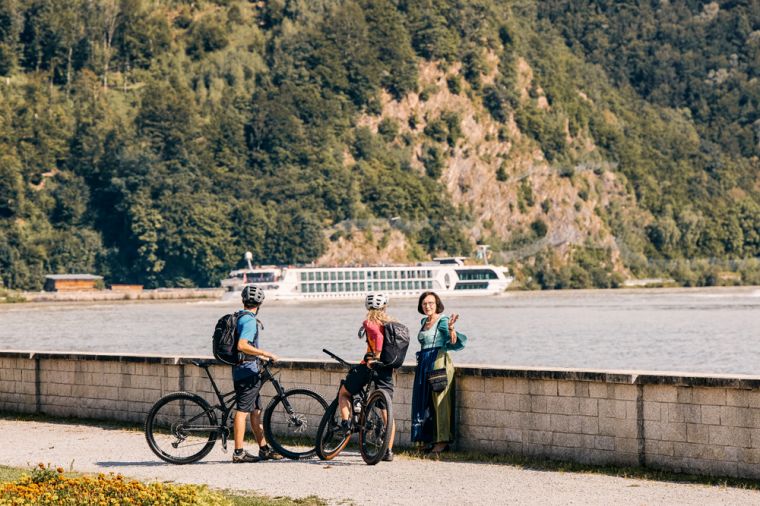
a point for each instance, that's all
(360, 376)
(247, 393)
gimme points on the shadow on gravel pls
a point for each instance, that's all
(144, 463)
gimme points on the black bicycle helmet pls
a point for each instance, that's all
(252, 295)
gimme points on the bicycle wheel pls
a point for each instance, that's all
(330, 438)
(181, 428)
(374, 427)
(291, 422)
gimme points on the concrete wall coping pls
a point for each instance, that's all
(630, 377)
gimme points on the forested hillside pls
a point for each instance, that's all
(154, 141)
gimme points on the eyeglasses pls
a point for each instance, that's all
(429, 304)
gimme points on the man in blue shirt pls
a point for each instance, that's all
(247, 380)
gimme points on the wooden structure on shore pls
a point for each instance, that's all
(71, 282)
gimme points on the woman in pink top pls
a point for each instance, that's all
(359, 376)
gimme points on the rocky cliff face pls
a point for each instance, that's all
(518, 202)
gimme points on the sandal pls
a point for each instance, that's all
(437, 450)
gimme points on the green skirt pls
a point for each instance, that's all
(443, 406)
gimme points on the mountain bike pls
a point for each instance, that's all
(183, 427)
(371, 417)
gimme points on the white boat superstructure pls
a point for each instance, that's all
(443, 275)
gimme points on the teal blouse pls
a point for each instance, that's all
(440, 339)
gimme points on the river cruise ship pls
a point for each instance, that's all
(443, 275)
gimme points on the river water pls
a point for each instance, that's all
(714, 330)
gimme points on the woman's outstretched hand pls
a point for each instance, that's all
(452, 320)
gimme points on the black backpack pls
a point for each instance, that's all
(225, 339)
(395, 344)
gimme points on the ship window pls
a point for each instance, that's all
(369, 287)
(476, 274)
(332, 275)
(303, 276)
(382, 285)
(403, 274)
(333, 287)
(311, 276)
(303, 287)
(471, 286)
(429, 284)
(430, 274)
(361, 275)
(416, 285)
(259, 277)
(396, 285)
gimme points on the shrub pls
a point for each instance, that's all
(539, 228)
(46, 486)
(434, 160)
(205, 37)
(453, 125)
(501, 173)
(455, 84)
(436, 130)
(427, 92)
(388, 129)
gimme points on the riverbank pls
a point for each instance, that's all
(12, 296)
(112, 295)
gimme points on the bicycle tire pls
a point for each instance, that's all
(170, 424)
(293, 435)
(374, 432)
(330, 442)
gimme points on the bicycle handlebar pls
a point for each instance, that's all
(336, 357)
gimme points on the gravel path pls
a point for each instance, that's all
(347, 479)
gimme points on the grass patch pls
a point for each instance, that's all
(260, 500)
(10, 473)
(10, 297)
(561, 466)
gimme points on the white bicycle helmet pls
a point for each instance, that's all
(375, 300)
(252, 295)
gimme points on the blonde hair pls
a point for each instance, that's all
(379, 316)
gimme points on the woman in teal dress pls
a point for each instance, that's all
(432, 412)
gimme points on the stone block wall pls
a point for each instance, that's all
(686, 423)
